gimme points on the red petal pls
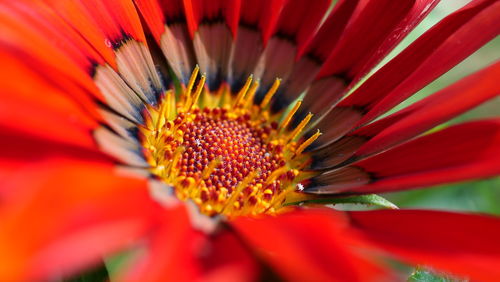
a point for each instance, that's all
(296, 26)
(115, 18)
(228, 257)
(438, 108)
(315, 54)
(213, 26)
(435, 52)
(257, 22)
(463, 244)
(172, 251)
(306, 246)
(177, 246)
(26, 36)
(262, 14)
(167, 21)
(61, 207)
(173, 10)
(299, 21)
(462, 152)
(39, 17)
(375, 30)
(413, 120)
(52, 115)
(21, 149)
(331, 30)
(77, 16)
(153, 15)
(198, 11)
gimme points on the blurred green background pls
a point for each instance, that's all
(475, 196)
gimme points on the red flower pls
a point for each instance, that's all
(111, 143)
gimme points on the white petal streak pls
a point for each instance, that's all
(177, 48)
(212, 45)
(136, 66)
(276, 61)
(119, 96)
(120, 124)
(125, 151)
(245, 54)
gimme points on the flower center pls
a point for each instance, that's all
(226, 154)
(237, 147)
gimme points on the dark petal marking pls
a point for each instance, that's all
(338, 180)
(461, 152)
(296, 26)
(411, 121)
(316, 52)
(338, 153)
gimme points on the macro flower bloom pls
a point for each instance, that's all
(209, 139)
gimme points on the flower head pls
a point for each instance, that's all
(209, 139)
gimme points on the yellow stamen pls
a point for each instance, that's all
(242, 185)
(251, 93)
(197, 93)
(164, 109)
(243, 91)
(275, 174)
(192, 79)
(300, 127)
(211, 167)
(290, 115)
(269, 95)
(308, 142)
(173, 164)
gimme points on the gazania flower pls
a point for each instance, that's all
(206, 139)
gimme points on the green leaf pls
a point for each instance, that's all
(119, 262)
(97, 274)
(423, 275)
(370, 199)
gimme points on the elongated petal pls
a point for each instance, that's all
(182, 253)
(168, 23)
(463, 244)
(116, 19)
(331, 30)
(76, 16)
(462, 152)
(258, 20)
(306, 246)
(437, 108)
(411, 121)
(58, 222)
(198, 11)
(19, 149)
(39, 107)
(74, 63)
(296, 26)
(26, 31)
(171, 252)
(299, 21)
(213, 27)
(441, 48)
(314, 55)
(375, 24)
(130, 74)
(238, 264)
(373, 30)
(436, 51)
